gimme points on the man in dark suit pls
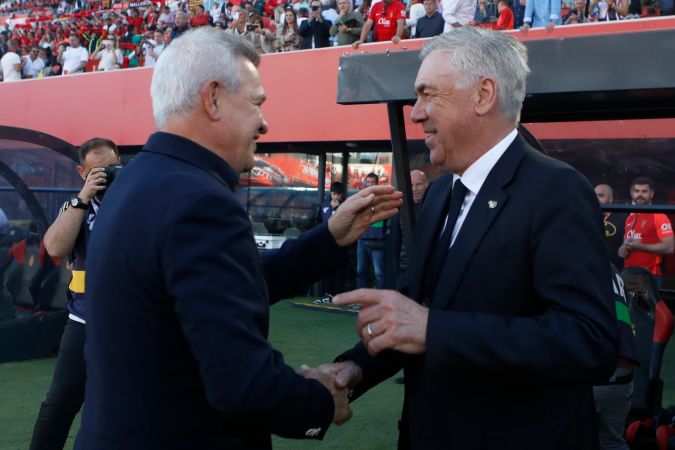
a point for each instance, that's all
(508, 320)
(177, 353)
(315, 31)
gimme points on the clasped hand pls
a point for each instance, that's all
(327, 374)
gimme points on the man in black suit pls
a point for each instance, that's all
(315, 31)
(177, 353)
(508, 320)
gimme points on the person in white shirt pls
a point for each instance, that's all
(74, 58)
(215, 11)
(11, 63)
(32, 63)
(416, 12)
(457, 13)
(109, 56)
(153, 48)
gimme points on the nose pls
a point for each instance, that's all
(264, 127)
(418, 115)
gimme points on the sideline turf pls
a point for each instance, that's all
(304, 337)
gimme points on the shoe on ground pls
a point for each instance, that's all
(327, 299)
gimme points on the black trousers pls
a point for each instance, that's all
(66, 393)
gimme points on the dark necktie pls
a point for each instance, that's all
(440, 251)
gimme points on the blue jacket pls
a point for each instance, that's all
(177, 352)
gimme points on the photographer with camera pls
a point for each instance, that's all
(152, 48)
(238, 26)
(261, 38)
(315, 32)
(68, 237)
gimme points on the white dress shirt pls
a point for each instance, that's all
(474, 177)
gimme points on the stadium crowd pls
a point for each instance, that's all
(47, 38)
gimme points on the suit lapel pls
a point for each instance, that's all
(427, 231)
(484, 210)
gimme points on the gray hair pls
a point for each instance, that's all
(475, 52)
(196, 57)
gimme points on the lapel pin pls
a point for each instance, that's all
(492, 204)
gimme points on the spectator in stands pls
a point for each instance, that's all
(48, 57)
(201, 19)
(432, 23)
(364, 8)
(261, 38)
(647, 236)
(238, 26)
(614, 225)
(329, 12)
(505, 21)
(151, 15)
(135, 19)
(168, 32)
(47, 40)
(181, 26)
(11, 63)
(457, 13)
(482, 16)
(541, 13)
(108, 54)
(152, 48)
(603, 11)
(215, 12)
(578, 14)
(348, 25)
(388, 17)
(370, 249)
(33, 64)
(315, 32)
(415, 12)
(288, 38)
(167, 18)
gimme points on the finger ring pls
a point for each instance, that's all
(372, 209)
(369, 331)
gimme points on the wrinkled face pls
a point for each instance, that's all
(245, 121)
(429, 6)
(419, 185)
(447, 114)
(641, 194)
(604, 194)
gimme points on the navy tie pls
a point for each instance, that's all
(441, 249)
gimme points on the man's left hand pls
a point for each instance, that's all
(388, 320)
(361, 210)
(396, 39)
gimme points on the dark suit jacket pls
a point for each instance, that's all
(521, 324)
(177, 352)
(320, 31)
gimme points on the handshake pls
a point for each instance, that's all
(338, 378)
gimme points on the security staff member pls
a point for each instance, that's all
(68, 235)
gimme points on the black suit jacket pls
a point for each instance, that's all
(177, 352)
(521, 324)
(313, 29)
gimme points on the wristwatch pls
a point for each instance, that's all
(76, 202)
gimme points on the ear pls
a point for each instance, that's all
(81, 171)
(211, 100)
(486, 96)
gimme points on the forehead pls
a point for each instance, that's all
(433, 70)
(99, 157)
(641, 187)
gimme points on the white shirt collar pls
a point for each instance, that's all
(474, 177)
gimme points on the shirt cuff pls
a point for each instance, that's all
(554, 17)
